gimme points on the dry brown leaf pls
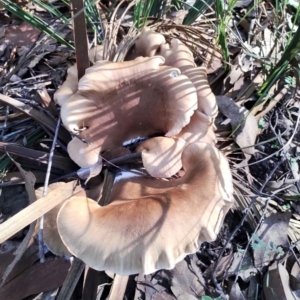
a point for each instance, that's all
(236, 293)
(295, 277)
(40, 117)
(276, 283)
(59, 162)
(270, 238)
(29, 185)
(36, 279)
(244, 124)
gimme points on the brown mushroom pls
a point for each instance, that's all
(162, 155)
(116, 102)
(50, 233)
(70, 85)
(148, 43)
(199, 129)
(51, 236)
(151, 224)
(177, 55)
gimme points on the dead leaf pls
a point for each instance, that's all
(29, 185)
(36, 279)
(295, 277)
(37, 209)
(276, 283)
(244, 124)
(268, 244)
(246, 270)
(236, 293)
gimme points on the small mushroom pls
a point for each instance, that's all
(177, 55)
(70, 85)
(199, 129)
(151, 224)
(162, 155)
(116, 102)
(148, 43)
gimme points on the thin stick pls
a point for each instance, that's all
(40, 235)
(80, 36)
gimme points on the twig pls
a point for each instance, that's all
(40, 234)
(71, 280)
(246, 211)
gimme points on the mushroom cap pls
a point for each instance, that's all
(70, 85)
(151, 224)
(207, 103)
(68, 88)
(148, 43)
(162, 155)
(200, 129)
(83, 154)
(50, 233)
(116, 102)
(177, 55)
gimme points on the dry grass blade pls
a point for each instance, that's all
(14, 178)
(29, 185)
(60, 162)
(36, 115)
(80, 37)
(37, 209)
(71, 280)
(118, 288)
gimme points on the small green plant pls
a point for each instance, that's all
(258, 244)
(210, 298)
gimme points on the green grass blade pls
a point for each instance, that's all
(196, 10)
(50, 8)
(282, 65)
(34, 21)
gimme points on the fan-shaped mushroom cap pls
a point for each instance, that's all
(116, 102)
(151, 224)
(207, 103)
(50, 233)
(162, 155)
(70, 85)
(148, 43)
(177, 55)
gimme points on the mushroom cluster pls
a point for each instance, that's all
(149, 224)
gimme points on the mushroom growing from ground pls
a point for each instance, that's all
(151, 224)
(70, 85)
(51, 236)
(116, 102)
(148, 43)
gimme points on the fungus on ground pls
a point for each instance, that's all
(51, 236)
(116, 102)
(70, 85)
(151, 224)
(162, 155)
(179, 56)
(148, 43)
